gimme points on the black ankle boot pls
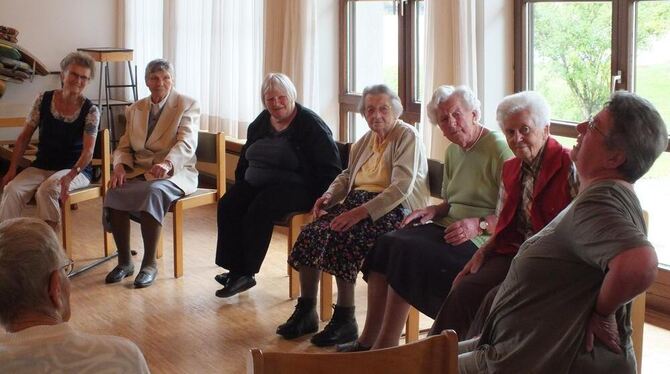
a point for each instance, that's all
(342, 328)
(304, 320)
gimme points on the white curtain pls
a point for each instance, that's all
(449, 60)
(216, 48)
(291, 45)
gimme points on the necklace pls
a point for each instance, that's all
(481, 131)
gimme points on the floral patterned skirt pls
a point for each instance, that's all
(342, 253)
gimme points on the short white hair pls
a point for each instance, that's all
(533, 102)
(446, 92)
(281, 82)
(381, 89)
(29, 253)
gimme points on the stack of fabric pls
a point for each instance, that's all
(9, 34)
(12, 69)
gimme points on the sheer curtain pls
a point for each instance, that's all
(216, 48)
(291, 45)
(449, 60)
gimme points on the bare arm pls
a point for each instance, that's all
(84, 159)
(629, 273)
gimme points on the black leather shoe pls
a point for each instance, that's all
(342, 328)
(222, 278)
(118, 273)
(304, 320)
(236, 285)
(145, 278)
(354, 346)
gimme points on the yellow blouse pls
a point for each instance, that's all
(374, 175)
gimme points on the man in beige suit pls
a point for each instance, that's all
(154, 164)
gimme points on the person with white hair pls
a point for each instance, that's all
(35, 310)
(386, 178)
(416, 264)
(154, 165)
(287, 162)
(536, 185)
(565, 305)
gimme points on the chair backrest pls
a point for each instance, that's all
(344, 149)
(102, 157)
(436, 354)
(435, 175)
(211, 153)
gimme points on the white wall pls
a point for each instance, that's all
(495, 57)
(328, 50)
(49, 30)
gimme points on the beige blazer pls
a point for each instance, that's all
(174, 138)
(409, 172)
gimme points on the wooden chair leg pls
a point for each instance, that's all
(294, 227)
(326, 296)
(159, 246)
(178, 238)
(108, 242)
(66, 231)
(412, 326)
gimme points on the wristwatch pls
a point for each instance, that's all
(483, 224)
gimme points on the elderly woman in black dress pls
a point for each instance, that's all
(385, 180)
(154, 165)
(288, 161)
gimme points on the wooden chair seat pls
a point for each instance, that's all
(101, 158)
(210, 153)
(437, 354)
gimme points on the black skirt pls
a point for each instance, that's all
(418, 264)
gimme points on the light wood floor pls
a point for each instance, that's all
(183, 328)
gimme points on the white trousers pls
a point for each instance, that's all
(44, 185)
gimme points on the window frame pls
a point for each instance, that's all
(623, 61)
(407, 67)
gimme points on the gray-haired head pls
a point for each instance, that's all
(159, 64)
(29, 253)
(78, 58)
(638, 130)
(379, 89)
(282, 83)
(445, 92)
(530, 101)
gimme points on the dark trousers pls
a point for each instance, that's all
(461, 305)
(245, 219)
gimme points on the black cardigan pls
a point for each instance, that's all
(311, 140)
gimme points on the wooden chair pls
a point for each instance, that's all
(437, 354)
(637, 314)
(211, 153)
(435, 174)
(294, 221)
(101, 158)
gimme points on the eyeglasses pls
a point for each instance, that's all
(591, 124)
(79, 76)
(68, 268)
(384, 110)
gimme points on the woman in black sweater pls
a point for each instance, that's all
(288, 161)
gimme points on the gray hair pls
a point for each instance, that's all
(29, 253)
(638, 130)
(159, 64)
(446, 92)
(281, 82)
(78, 58)
(531, 101)
(379, 89)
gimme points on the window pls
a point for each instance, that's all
(576, 52)
(381, 42)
